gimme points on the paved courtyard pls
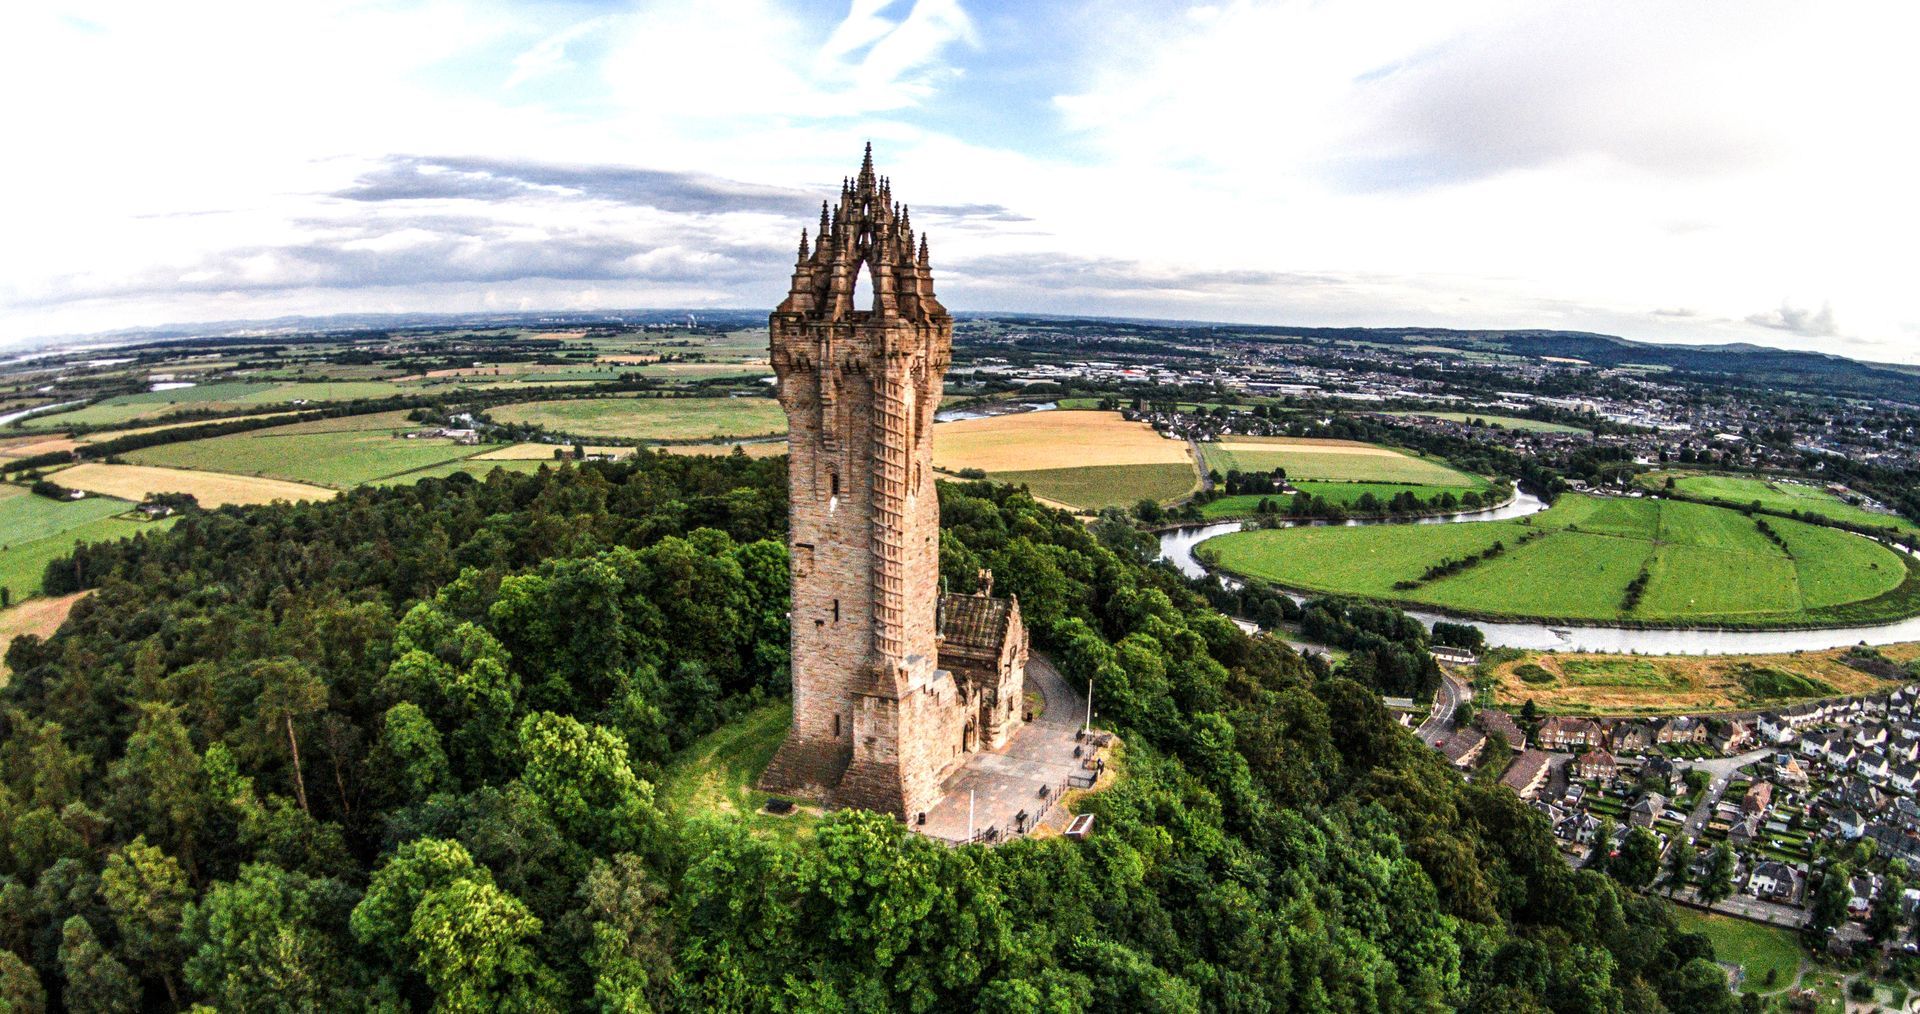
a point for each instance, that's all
(1007, 782)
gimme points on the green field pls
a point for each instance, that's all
(1705, 565)
(1777, 495)
(1098, 486)
(477, 469)
(218, 396)
(35, 530)
(1512, 422)
(1343, 493)
(1756, 948)
(1331, 460)
(340, 453)
(666, 419)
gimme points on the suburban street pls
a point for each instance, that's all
(1446, 700)
(1722, 770)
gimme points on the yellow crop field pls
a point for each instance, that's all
(1031, 441)
(760, 449)
(39, 617)
(212, 489)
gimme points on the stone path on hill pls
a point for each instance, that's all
(1008, 782)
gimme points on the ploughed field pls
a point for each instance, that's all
(1777, 495)
(1581, 560)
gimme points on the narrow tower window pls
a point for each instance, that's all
(836, 610)
(833, 485)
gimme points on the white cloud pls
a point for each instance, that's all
(1485, 163)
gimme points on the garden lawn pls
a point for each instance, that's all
(1704, 565)
(664, 419)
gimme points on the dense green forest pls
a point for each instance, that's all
(396, 751)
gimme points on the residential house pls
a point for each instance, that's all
(1774, 881)
(1491, 721)
(1894, 843)
(1775, 729)
(1647, 809)
(1860, 892)
(1463, 748)
(1744, 832)
(1759, 796)
(1568, 734)
(1580, 828)
(1680, 731)
(1847, 824)
(1598, 765)
(1729, 736)
(1528, 774)
(1630, 737)
(1788, 771)
(1904, 777)
(1872, 764)
(1867, 737)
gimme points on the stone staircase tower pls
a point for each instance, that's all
(860, 347)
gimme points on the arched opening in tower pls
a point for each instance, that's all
(866, 292)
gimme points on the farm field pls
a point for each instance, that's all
(757, 449)
(1575, 561)
(1099, 486)
(211, 489)
(666, 419)
(24, 564)
(1331, 460)
(1777, 495)
(218, 396)
(1343, 493)
(1512, 422)
(541, 452)
(35, 530)
(475, 467)
(1081, 459)
(1596, 684)
(340, 453)
(40, 617)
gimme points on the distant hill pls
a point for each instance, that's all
(1810, 371)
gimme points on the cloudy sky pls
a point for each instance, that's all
(1683, 172)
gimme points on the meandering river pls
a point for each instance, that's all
(1176, 546)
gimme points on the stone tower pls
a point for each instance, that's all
(860, 347)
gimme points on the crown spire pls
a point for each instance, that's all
(803, 244)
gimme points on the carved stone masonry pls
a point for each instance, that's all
(860, 347)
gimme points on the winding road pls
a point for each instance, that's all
(1446, 700)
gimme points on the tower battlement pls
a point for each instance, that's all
(877, 722)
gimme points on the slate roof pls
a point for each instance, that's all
(974, 624)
